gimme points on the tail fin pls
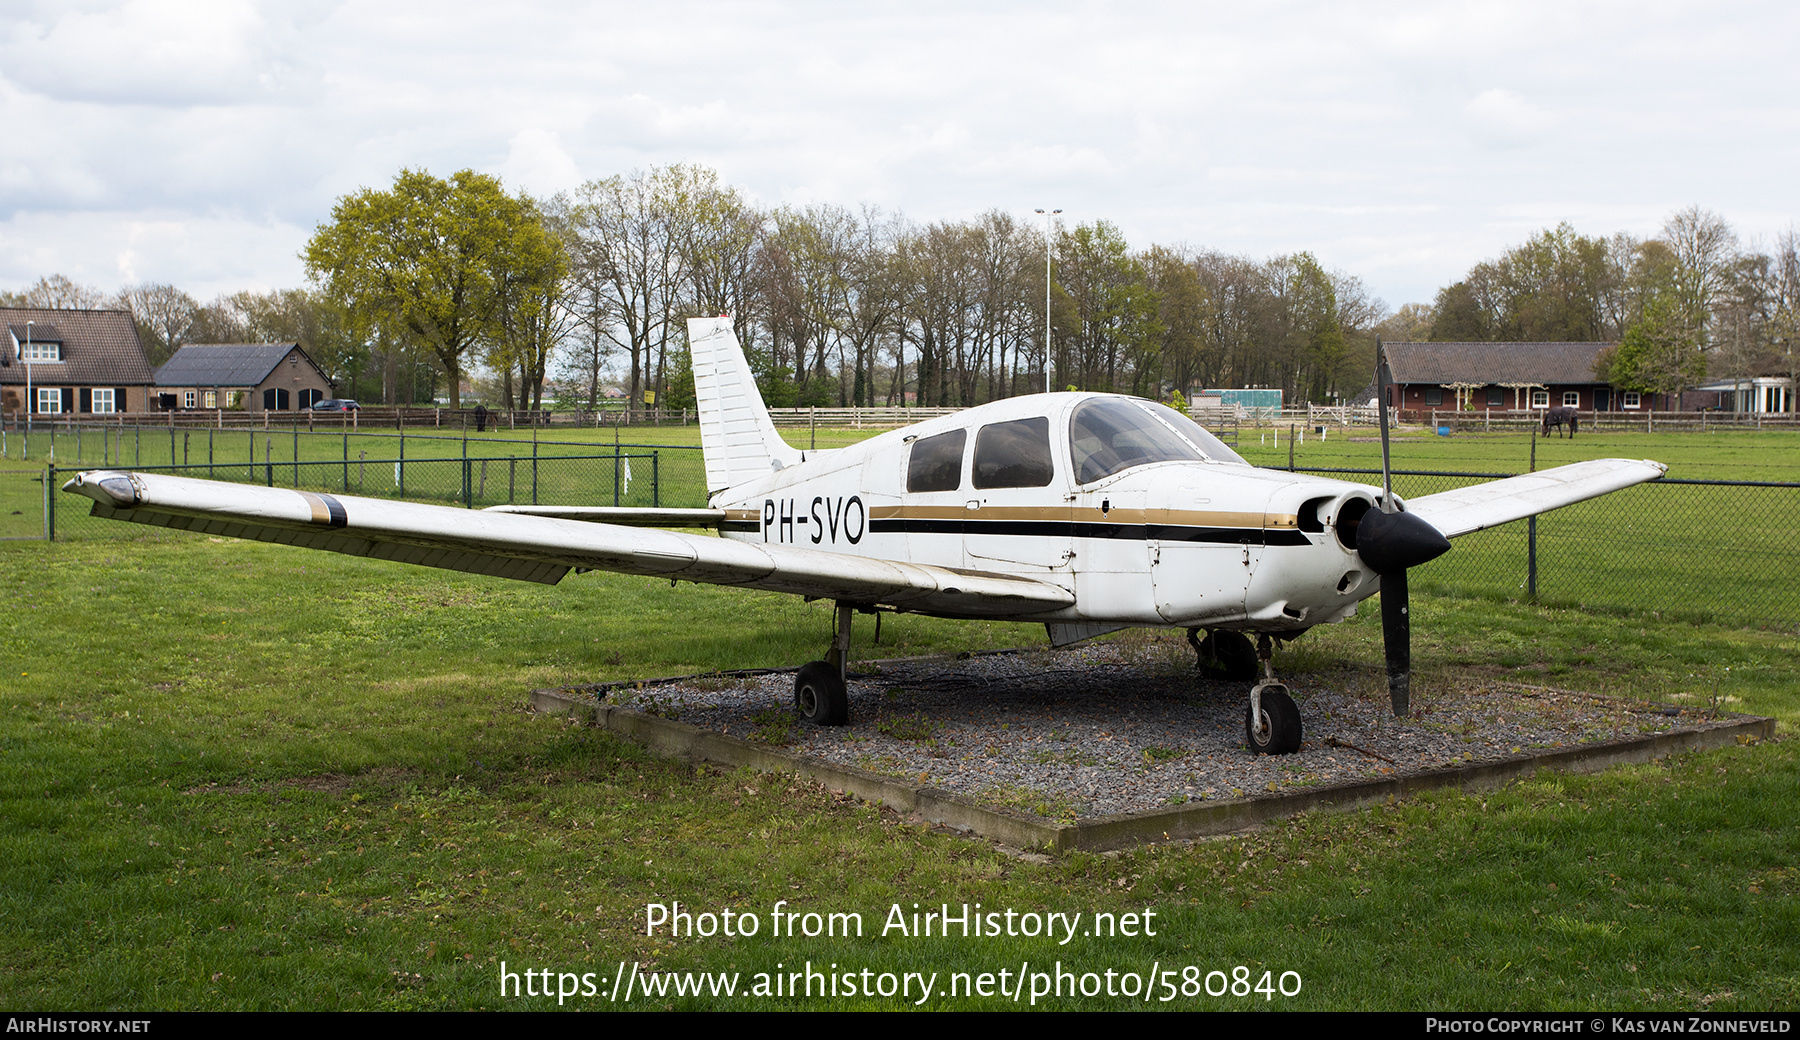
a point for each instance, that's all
(736, 435)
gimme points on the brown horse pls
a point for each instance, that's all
(1560, 415)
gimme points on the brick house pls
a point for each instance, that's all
(1503, 376)
(71, 363)
(257, 377)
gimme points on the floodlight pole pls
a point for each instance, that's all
(1047, 217)
(29, 407)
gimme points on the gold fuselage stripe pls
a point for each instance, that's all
(1073, 514)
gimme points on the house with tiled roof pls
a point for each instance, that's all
(1502, 376)
(71, 363)
(257, 377)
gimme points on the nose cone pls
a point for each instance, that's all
(1392, 542)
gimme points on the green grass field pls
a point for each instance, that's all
(211, 803)
(243, 776)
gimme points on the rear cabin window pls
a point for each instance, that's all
(1110, 434)
(936, 462)
(1014, 454)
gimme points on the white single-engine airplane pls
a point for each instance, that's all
(1086, 512)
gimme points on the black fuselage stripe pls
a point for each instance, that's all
(1069, 529)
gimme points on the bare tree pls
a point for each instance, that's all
(165, 318)
(57, 292)
(1704, 249)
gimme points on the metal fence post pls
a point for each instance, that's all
(50, 503)
(1531, 559)
(655, 481)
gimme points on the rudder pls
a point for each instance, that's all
(736, 435)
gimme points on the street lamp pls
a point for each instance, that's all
(29, 408)
(1047, 217)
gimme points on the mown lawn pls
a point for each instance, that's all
(241, 776)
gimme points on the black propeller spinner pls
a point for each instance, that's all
(1390, 542)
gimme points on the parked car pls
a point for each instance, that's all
(336, 404)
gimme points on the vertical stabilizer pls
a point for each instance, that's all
(736, 435)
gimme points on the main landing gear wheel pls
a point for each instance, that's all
(1275, 728)
(819, 695)
(1227, 655)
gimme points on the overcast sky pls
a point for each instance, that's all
(200, 143)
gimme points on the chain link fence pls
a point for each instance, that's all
(1693, 550)
(473, 472)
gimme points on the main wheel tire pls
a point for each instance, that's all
(819, 695)
(1276, 729)
(1230, 656)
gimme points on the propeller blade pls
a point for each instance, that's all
(1390, 543)
(1383, 377)
(1396, 640)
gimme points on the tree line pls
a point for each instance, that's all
(433, 279)
(1688, 304)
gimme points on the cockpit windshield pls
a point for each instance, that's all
(1111, 434)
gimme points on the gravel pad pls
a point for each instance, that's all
(1114, 728)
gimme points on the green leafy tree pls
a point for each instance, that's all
(431, 260)
(1660, 354)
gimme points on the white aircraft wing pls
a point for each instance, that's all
(543, 549)
(1481, 506)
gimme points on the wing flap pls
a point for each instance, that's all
(543, 549)
(622, 515)
(1481, 506)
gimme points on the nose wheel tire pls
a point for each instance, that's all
(1275, 729)
(820, 696)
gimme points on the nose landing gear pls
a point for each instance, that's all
(1272, 725)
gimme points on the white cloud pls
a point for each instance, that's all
(537, 164)
(1397, 142)
(1503, 117)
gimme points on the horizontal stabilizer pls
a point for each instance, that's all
(1496, 502)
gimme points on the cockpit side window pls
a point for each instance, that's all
(1110, 434)
(1014, 454)
(1214, 448)
(936, 462)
